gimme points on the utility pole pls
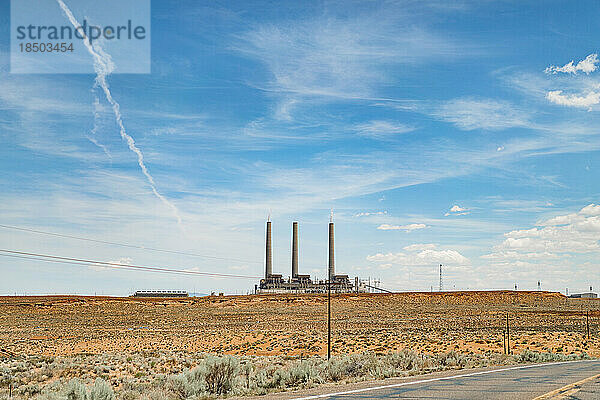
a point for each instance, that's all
(587, 323)
(441, 285)
(507, 336)
(328, 319)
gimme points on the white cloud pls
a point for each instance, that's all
(421, 257)
(367, 214)
(338, 57)
(573, 100)
(420, 246)
(514, 255)
(121, 260)
(407, 228)
(457, 210)
(591, 210)
(284, 109)
(381, 129)
(587, 65)
(470, 114)
(584, 99)
(560, 236)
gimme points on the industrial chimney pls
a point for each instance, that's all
(294, 250)
(331, 251)
(269, 254)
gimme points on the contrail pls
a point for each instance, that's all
(92, 137)
(103, 65)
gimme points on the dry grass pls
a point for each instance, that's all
(296, 324)
(195, 376)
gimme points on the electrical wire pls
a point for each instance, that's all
(80, 261)
(132, 246)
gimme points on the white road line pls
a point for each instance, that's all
(443, 378)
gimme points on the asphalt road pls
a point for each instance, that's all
(520, 382)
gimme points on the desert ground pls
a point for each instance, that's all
(75, 347)
(296, 325)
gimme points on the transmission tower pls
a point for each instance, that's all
(441, 284)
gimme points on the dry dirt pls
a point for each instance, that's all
(297, 324)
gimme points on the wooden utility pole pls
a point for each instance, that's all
(587, 323)
(507, 336)
(329, 319)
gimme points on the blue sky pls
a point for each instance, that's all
(455, 134)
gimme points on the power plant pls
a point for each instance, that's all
(297, 283)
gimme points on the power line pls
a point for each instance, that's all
(80, 261)
(132, 246)
(69, 262)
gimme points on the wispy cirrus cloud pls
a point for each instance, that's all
(420, 247)
(407, 228)
(586, 100)
(341, 57)
(487, 114)
(370, 213)
(380, 129)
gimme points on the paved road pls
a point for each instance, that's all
(511, 383)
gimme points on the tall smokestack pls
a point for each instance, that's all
(294, 250)
(269, 253)
(331, 250)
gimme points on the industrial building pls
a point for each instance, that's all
(160, 293)
(297, 283)
(588, 295)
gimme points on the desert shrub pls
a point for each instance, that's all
(75, 390)
(404, 360)
(280, 378)
(101, 390)
(451, 359)
(535, 357)
(187, 384)
(128, 394)
(270, 378)
(247, 370)
(172, 379)
(197, 374)
(220, 374)
(302, 373)
(179, 386)
(334, 369)
(29, 390)
(354, 365)
(5, 377)
(156, 394)
(528, 356)
(49, 396)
